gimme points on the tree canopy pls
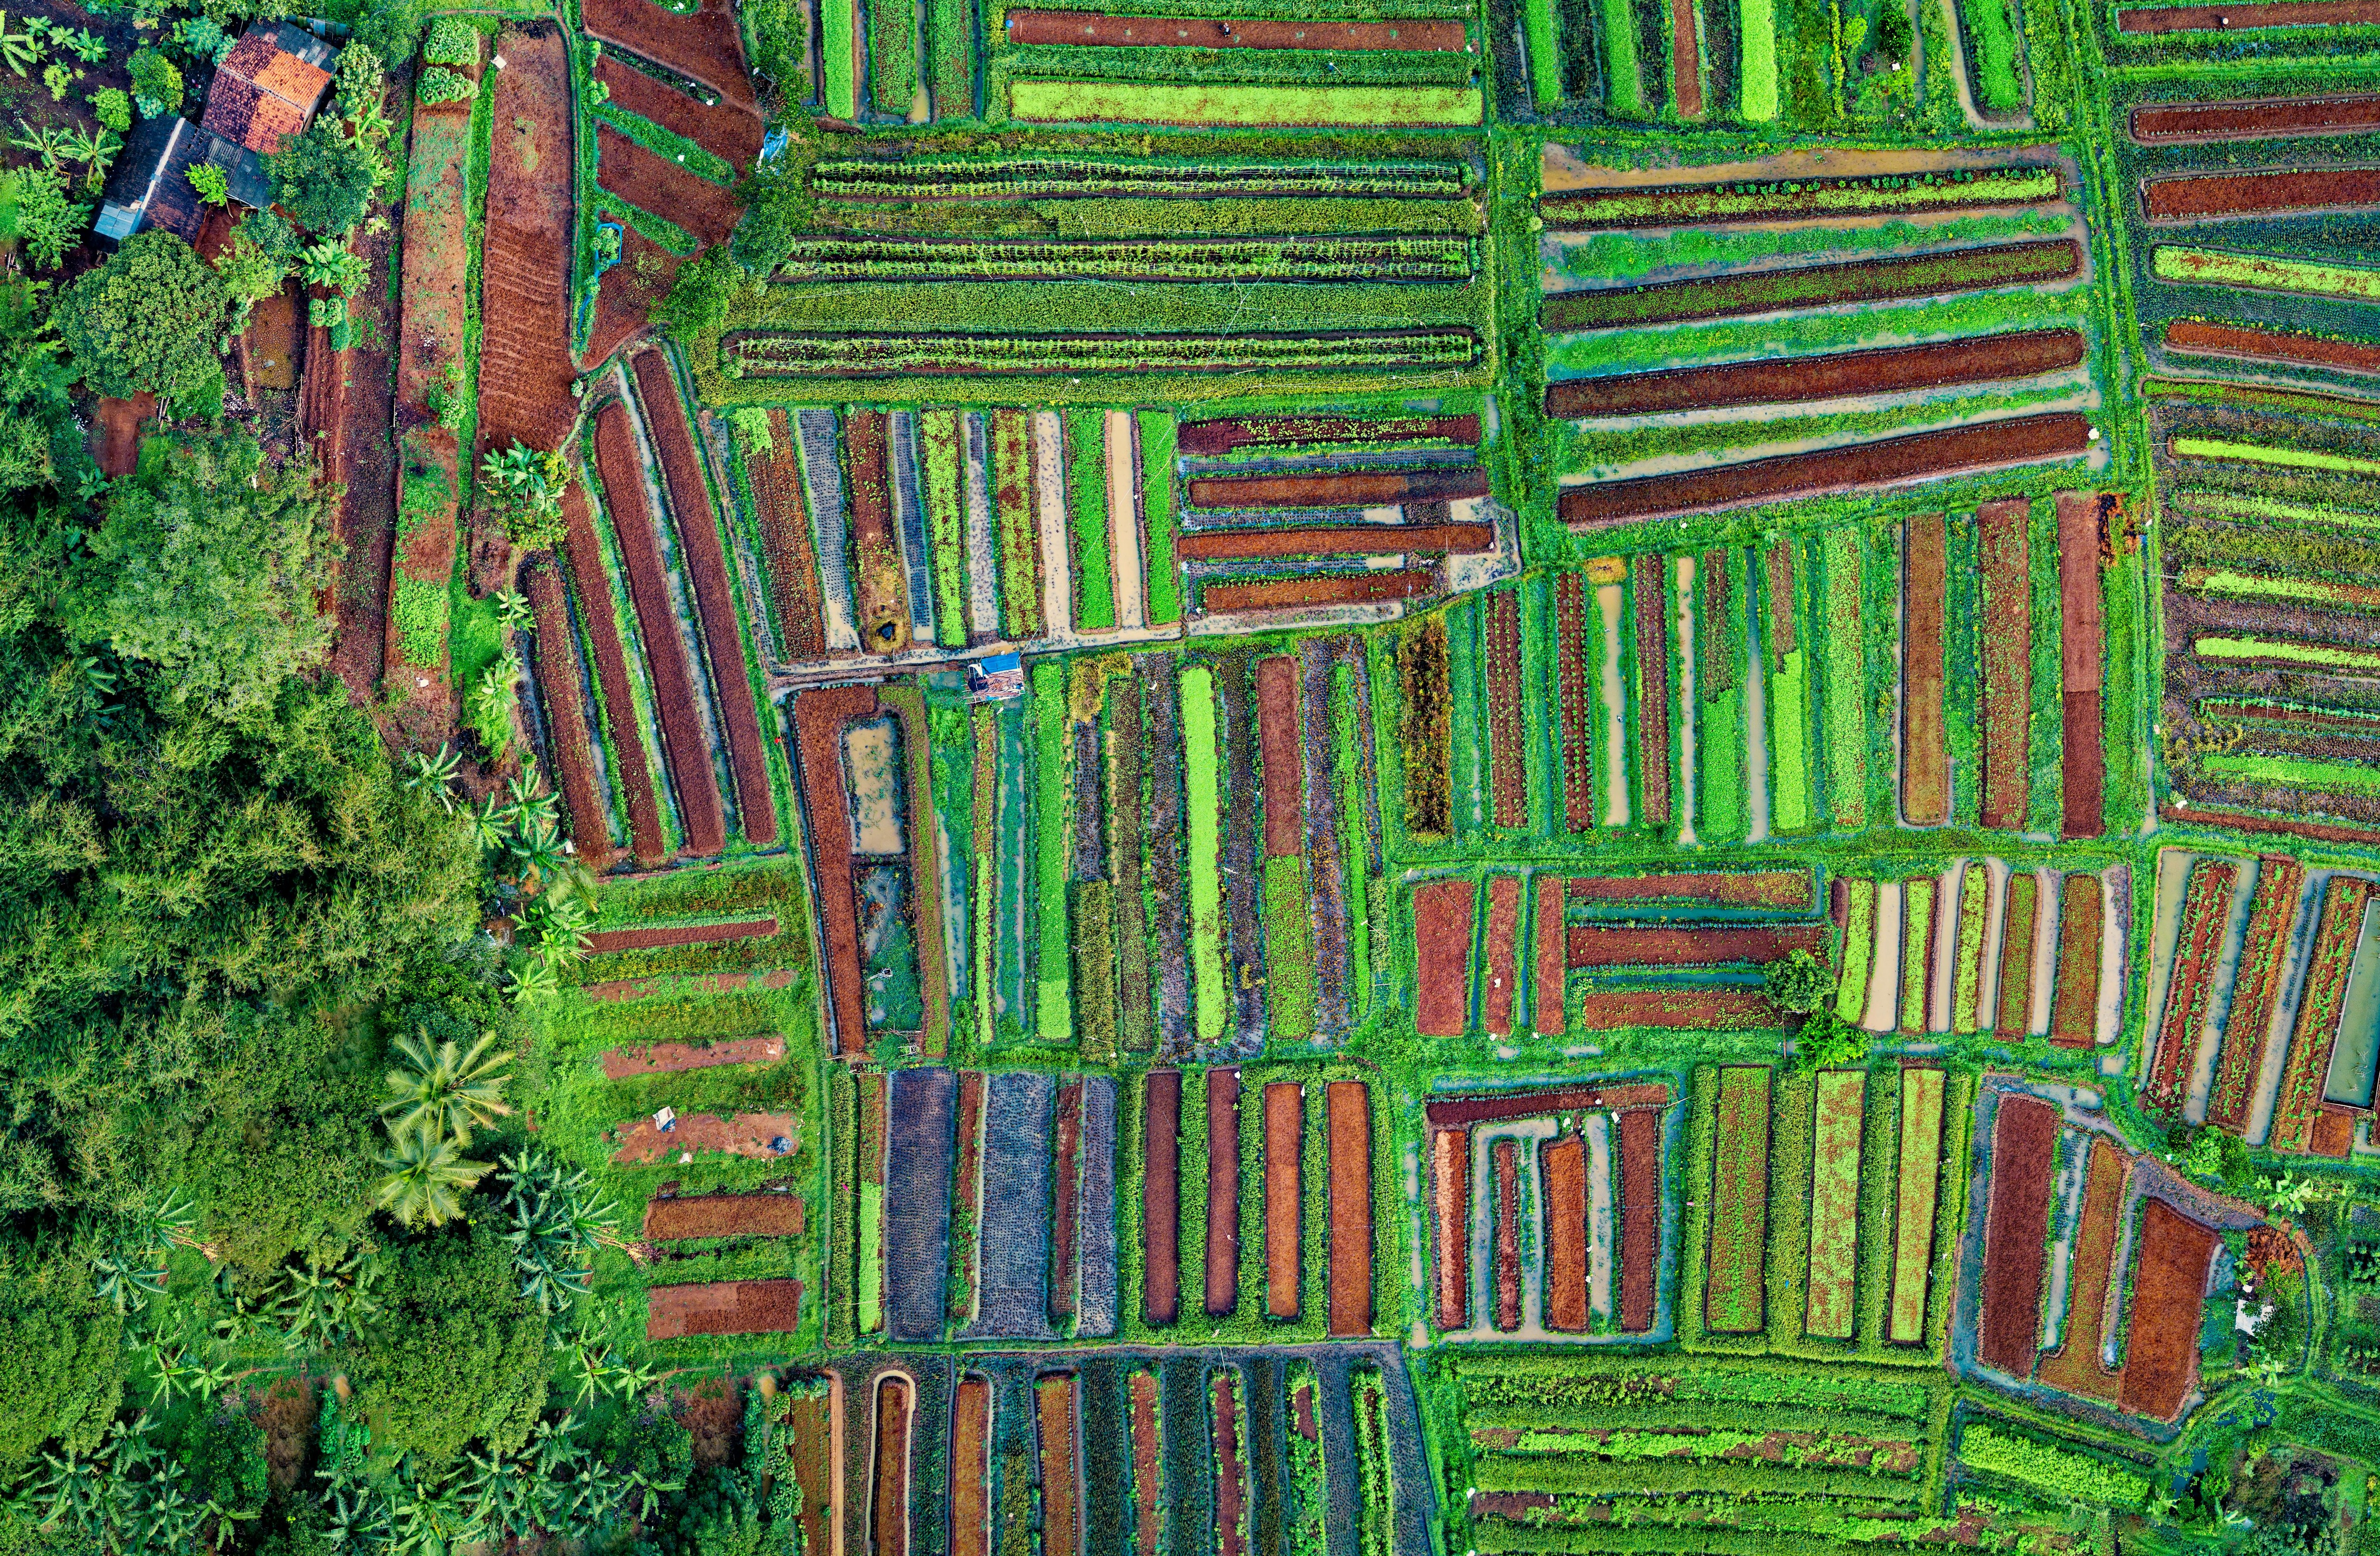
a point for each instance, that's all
(321, 180)
(150, 319)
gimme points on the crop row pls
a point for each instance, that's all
(1094, 177)
(1802, 199)
(1917, 275)
(1439, 259)
(785, 354)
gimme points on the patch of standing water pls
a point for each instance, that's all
(2359, 1027)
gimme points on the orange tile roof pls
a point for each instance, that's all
(272, 121)
(293, 80)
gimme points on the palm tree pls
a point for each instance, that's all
(443, 1092)
(427, 1179)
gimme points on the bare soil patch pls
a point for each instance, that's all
(1277, 734)
(1442, 957)
(971, 1512)
(2168, 1289)
(2256, 118)
(1160, 1179)
(654, 183)
(2267, 191)
(1885, 370)
(119, 431)
(819, 720)
(2024, 1136)
(625, 295)
(1284, 1125)
(707, 47)
(2083, 520)
(1564, 1162)
(1450, 1181)
(644, 1059)
(1787, 889)
(1365, 488)
(712, 1412)
(2228, 18)
(1503, 954)
(1634, 945)
(1321, 588)
(1323, 540)
(1493, 1106)
(753, 1135)
(728, 130)
(775, 475)
(1639, 1217)
(1682, 1010)
(723, 1215)
(603, 941)
(1223, 1192)
(274, 338)
(1349, 1121)
(2197, 337)
(569, 742)
(525, 368)
(723, 1307)
(1505, 1158)
(632, 775)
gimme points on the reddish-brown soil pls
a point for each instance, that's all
(2024, 1137)
(812, 1426)
(2206, 914)
(2075, 1366)
(1223, 1192)
(1503, 954)
(1284, 1127)
(1925, 740)
(878, 587)
(706, 564)
(1577, 701)
(1683, 1010)
(785, 533)
(274, 338)
(2168, 1291)
(1451, 1183)
(1721, 296)
(1552, 960)
(1506, 1161)
(1441, 957)
(966, 1198)
(2267, 191)
(602, 941)
(2256, 118)
(1507, 773)
(632, 775)
(565, 712)
(2256, 993)
(119, 431)
(1652, 713)
(1595, 945)
(707, 47)
(1147, 1472)
(2015, 1015)
(753, 1135)
(1319, 589)
(723, 1215)
(723, 1307)
(2074, 1000)
(2002, 532)
(2081, 518)
(321, 395)
(424, 555)
(819, 719)
(2227, 18)
(1230, 1473)
(1775, 380)
(728, 130)
(1353, 489)
(1066, 1220)
(289, 1410)
(654, 183)
(712, 1413)
(525, 367)
(1277, 738)
(625, 296)
(2196, 337)
(888, 1492)
(1365, 540)
(1889, 462)
(1450, 1112)
(1207, 439)
(1512, 1506)
(2334, 1132)
(683, 743)
(1160, 1184)
(644, 1059)
(1349, 1119)
(1092, 29)
(1787, 889)
(971, 1513)
(1565, 1166)
(1640, 1215)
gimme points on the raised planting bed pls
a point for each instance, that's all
(1577, 701)
(1091, 177)
(764, 1136)
(887, 1492)
(2004, 537)
(1924, 739)
(1497, 994)
(1208, 440)
(1223, 105)
(972, 1516)
(706, 565)
(632, 778)
(1160, 1207)
(1284, 1128)
(1789, 890)
(1441, 911)
(2298, 1105)
(1682, 1010)
(2080, 627)
(1326, 539)
(775, 475)
(820, 716)
(1434, 261)
(1066, 1220)
(2256, 990)
(654, 183)
(1734, 1296)
(2198, 337)
(2018, 931)
(1563, 1162)
(1916, 1200)
(1016, 1205)
(1223, 1216)
(2205, 915)
(1919, 456)
(1095, 28)
(704, 44)
(1504, 1162)
(568, 741)
(1663, 946)
(729, 130)
(646, 1059)
(1353, 489)
(1837, 375)
(1507, 772)
(2168, 1299)
(1799, 200)
(2024, 1140)
(602, 941)
(1549, 976)
(2231, 18)
(1769, 291)
(919, 1124)
(2268, 191)
(1055, 1412)
(723, 1307)
(2077, 1365)
(2256, 118)
(1494, 1107)
(723, 1215)
(525, 368)
(1839, 1112)
(1451, 1191)
(789, 353)
(2082, 924)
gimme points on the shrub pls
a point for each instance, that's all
(452, 41)
(209, 181)
(524, 489)
(113, 108)
(156, 83)
(150, 318)
(322, 182)
(1799, 983)
(440, 85)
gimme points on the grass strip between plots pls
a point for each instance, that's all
(1055, 102)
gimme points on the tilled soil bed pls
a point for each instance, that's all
(644, 1059)
(603, 941)
(1639, 1217)
(1787, 889)
(1682, 1010)
(1619, 946)
(1341, 490)
(632, 777)
(2231, 18)
(1720, 297)
(654, 183)
(723, 1307)
(727, 130)
(707, 47)
(752, 1134)
(819, 719)
(1442, 957)
(1885, 370)
(569, 743)
(1349, 1121)
(1321, 588)
(1092, 29)
(2197, 337)
(525, 368)
(2256, 118)
(625, 296)
(2168, 1289)
(723, 1215)
(2024, 1136)
(2267, 191)
(1361, 539)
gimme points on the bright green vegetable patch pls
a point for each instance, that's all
(2323, 655)
(1204, 793)
(2265, 453)
(2065, 1475)
(1993, 50)
(1545, 57)
(1626, 97)
(2266, 273)
(1758, 20)
(1135, 102)
(2293, 772)
(666, 143)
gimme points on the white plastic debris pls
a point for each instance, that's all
(665, 1120)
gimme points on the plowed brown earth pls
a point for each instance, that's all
(119, 431)
(644, 1059)
(1548, 979)
(2228, 18)
(723, 1215)
(1925, 738)
(971, 1511)
(2169, 1292)
(1889, 462)
(1787, 889)
(1577, 703)
(1207, 439)
(645, 939)
(1685, 60)
(706, 564)
(1350, 1121)
(1451, 1113)
(1284, 1125)
(1365, 540)
(2082, 520)
(1346, 490)
(2024, 1136)
(888, 1500)
(1450, 1184)
(2205, 925)
(2075, 1366)
(1503, 955)
(683, 742)
(723, 1307)
(272, 341)
(654, 183)
(1639, 1217)
(1231, 1470)
(2256, 118)
(775, 475)
(2197, 337)
(558, 679)
(632, 778)
(707, 47)
(819, 720)
(1683, 1010)
(1160, 1179)
(525, 368)
(1223, 1192)
(1508, 772)
(1147, 1473)
(1565, 1167)
(625, 298)
(1505, 1158)
(2006, 544)
(1442, 957)
(753, 1135)
(1774, 381)
(1322, 588)
(727, 130)
(1277, 733)
(1799, 287)
(1628, 946)
(2265, 192)
(1092, 27)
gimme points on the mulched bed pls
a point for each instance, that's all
(2228, 18)
(1348, 1117)
(1503, 955)
(2205, 915)
(1160, 1187)
(1652, 709)
(918, 1201)
(1787, 889)
(813, 1427)
(1207, 439)
(1147, 1471)
(632, 775)
(525, 367)
(819, 719)
(723, 1307)
(2075, 1366)
(2256, 117)
(665, 188)
(2004, 539)
(602, 941)
(1680, 1010)
(728, 130)
(707, 47)
(570, 742)
(2168, 1291)
(1319, 589)
(723, 1215)
(2082, 519)
(1223, 1192)
(1595, 945)
(1564, 1162)
(1578, 701)
(1358, 489)
(1507, 773)
(1284, 1126)
(1093, 29)
(1781, 381)
(1549, 977)
(2256, 990)
(776, 481)
(2265, 192)
(683, 741)
(1988, 445)
(1450, 1112)
(1277, 738)
(1016, 1198)
(2081, 921)
(1331, 540)
(2196, 337)
(1441, 912)
(1925, 740)
(752, 1134)
(888, 1501)
(706, 565)
(1505, 1158)
(971, 1510)
(1639, 1217)
(2024, 1139)
(2014, 1018)
(1721, 296)
(646, 1059)
(1450, 1182)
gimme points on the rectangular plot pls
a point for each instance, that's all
(1223, 1192)
(1016, 1205)
(2320, 1005)
(1639, 1217)
(1507, 772)
(1147, 1460)
(1735, 1296)
(888, 1500)
(2206, 914)
(2256, 990)
(1349, 1121)
(971, 1513)
(1548, 977)
(2080, 637)
(2024, 1139)
(1916, 950)
(1912, 1224)
(2074, 1015)
(1652, 603)
(1441, 917)
(1450, 1182)
(1926, 752)
(1505, 1163)
(1095, 1311)
(1845, 698)
(918, 1202)
(1503, 954)
(966, 1196)
(2014, 1018)
(1064, 1222)
(2168, 1283)
(1160, 1188)
(2075, 1366)
(1834, 1201)
(2005, 532)
(1577, 703)
(1020, 535)
(1062, 1483)
(1967, 979)
(1564, 1163)
(1284, 1127)
(1230, 1464)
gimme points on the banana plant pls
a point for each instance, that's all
(528, 804)
(511, 609)
(18, 51)
(492, 824)
(434, 773)
(46, 142)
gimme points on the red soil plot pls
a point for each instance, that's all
(1508, 770)
(727, 130)
(2024, 1139)
(1284, 1127)
(525, 367)
(1652, 601)
(1319, 589)
(723, 1307)
(2205, 914)
(1451, 1188)
(1639, 1217)
(2256, 990)
(1924, 741)
(1223, 1192)
(2248, 821)
(1348, 1116)
(1547, 977)
(706, 564)
(971, 1511)
(888, 1499)
(1207, 439)
(1160, 1184)
(723, 1215)
(2265, 191)
(1577, 703)
(2014, 1018)
(1679, 1010)
(651, 182)
(1332, 539)
(2075, 1366)
(632, 778)
(566, 713)
(2196, 337)
(1787, 889)
(1441, 957)
(707, 47)
(1358, 489)
(1505, 1156)
(1054, 1411)
(683, 741)
(119, 431)
(2074, 1006)
(2256, 118)
(1789, 380)
(1277, 736)
(2003, 536)
(775, 475)
(2334, 1132)
(1685, 60)
(1095, 28)
(629, 290)
(1919, 456)
(1645, 945)
(819, 719)
(752, 1134)
(2299, 1102)
(645, 939)
(646, 1059)
(1453, 1113)
(2081, 517)
(1503, 955)
(2168, 1293)
(1564, 1162)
